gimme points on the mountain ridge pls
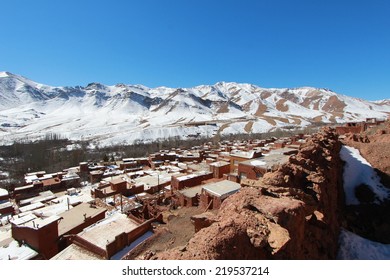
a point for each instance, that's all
(122, 113)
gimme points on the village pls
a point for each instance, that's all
(108, 210)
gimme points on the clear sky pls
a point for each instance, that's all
(335, 44)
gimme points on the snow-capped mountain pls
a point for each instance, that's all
(126, 113)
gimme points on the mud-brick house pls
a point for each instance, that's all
(52, 184)
(237, 156)
(103, 190)
(95, 176)
(280, 143)
(28, 190)
(189, 197)
(358, 127)
(110, 236)
(350, 127)
(76, 219)
(191, 156)
(41, 234)
(257, 167)
(214, 194)
(70, 180)
(118, 184)
(6, 206)
(189, 180)
(219, 168)
(130, 163)
(83, 167)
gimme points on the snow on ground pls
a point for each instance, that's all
(358, 171)
(72, 147)
(127, 249)
(15, 252)
(3, 192)
(355, 247)
(5, 228)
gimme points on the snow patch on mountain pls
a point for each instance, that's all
(122, 113)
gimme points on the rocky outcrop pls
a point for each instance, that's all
(203, 220)
(291, 213)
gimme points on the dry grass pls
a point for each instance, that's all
(281, 106)
(261, 110)
(225, 125)
(248, 127)
(318, 118)
(334, 105)
(306, 103)
(265, 95)
(247, 106)
(269, 120)
(224, 108)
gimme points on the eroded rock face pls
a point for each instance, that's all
(203, 220)
(291, 213)
(376, 150)
(368, 219)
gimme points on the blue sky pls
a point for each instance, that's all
(341, 45)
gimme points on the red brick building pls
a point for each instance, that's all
(189, 180)
(39, 234)
(239, 156)
(219, 168)
(214, 194)
(189, 197)
(257, 167)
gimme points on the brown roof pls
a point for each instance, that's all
(50, 182)
(75, 216)
(117, 180)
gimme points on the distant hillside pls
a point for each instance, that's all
(126, 113)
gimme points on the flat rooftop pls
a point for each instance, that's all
(193, 175)
(222, 189)
(74, 252)
(202, 166)
(15, 252)
(191, 192)
(105, 231)
(117, 180)
(58, 206)
(21, 220)
(75, 216)
(33, 222)
(3, 192)
(219, 163)
(284, 151)
(42, 197)
(267, 161)
(242, 154)
(31, 207)
(5, 205)
(155, 178)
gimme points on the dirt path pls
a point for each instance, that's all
(176, 232)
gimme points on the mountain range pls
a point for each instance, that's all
(106, 115)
